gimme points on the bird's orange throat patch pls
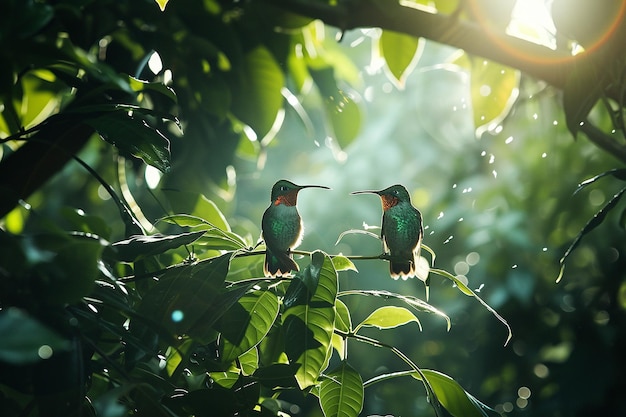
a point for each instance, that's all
(288, 199)
(388, 201)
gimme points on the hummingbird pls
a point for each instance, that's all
(281, 228)
(402, 230)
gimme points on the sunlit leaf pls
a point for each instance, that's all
(340, 106)
(388, 317)
(246, 323)
(494, 89)
(157, 87)
(162, 4)
(214, 237)
(249, 361)
(198, 208)
(227, 378)
(342, 263)
(341, 392)
(453, 397)
(446, 6)
(414, 302)
(343, 321)
(401, 53)
(259, 98)
(309, 326)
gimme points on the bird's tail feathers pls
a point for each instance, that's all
(279, 264)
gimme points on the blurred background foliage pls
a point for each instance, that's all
(486, 151)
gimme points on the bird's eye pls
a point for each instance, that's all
(283, 188)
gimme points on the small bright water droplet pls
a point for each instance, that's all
(535, 116)
(448, 239)
(480, 288)
(483, 153)
(543, 155)
(495, 174)
(544, 249)
(453, 186)
(177, 316)
(440, 215)
(514, 266)
(508, 140)
(44, 352)
(460, 219)
(492, 158)
(555, 123)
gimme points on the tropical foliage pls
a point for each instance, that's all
(133, 137)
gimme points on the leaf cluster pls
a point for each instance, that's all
(146, 325)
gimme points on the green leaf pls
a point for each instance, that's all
(249, 361)
(342, 263)
(259, 98)
(246, 323)
(341, 109)
(309, 326)
(453, 397)
(188, 296)
(594, 222)
(162, 4)
(343, 321)
(86, 223)
(467, 291)
(494, 89)
(141, 86)
(619, 173)
(133, 137)
(401, 53)
(140, 246)
(278, 375)
(341, 392)
(414, 302)
(225, 379)
(58, 258)
(25, 340)
(388, 317)
(198, 208)
(213, 237)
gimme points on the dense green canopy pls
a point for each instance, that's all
(139, 142)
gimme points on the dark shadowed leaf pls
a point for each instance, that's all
(25, 340)
(133, 136)
(140, 246)
(246, 323)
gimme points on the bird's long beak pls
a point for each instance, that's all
(365, 192)
(313, 186)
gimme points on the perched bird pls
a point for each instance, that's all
(282, 228)
(402, 230)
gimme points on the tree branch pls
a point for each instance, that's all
(533, 59)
